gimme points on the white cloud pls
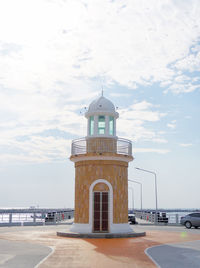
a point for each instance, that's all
(31, 132)
(119, 95)
(131, 123)
(182, 83)
(185, 144)
(182, 78)
(172, 125)
(177, 88)
(143, 105)
(165, 83)
(188, 117)
(141, 111)
(126, 42)
(52, 53)
(159, 140)
(36, 149)
(151, 150)
(191, 62)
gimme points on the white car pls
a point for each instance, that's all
(191, 220)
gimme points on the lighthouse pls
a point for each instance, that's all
(101, 173)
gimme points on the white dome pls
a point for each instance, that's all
(101, 106)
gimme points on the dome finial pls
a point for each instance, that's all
(101, 90)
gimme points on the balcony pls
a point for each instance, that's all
(101, 145)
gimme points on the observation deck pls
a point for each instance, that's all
(101, 145)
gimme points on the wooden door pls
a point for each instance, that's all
(100, 215)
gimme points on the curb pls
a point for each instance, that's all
(100, 235)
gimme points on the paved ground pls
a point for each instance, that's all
(97, 253)
(21, 254)
(182, 255)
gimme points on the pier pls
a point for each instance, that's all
(34, 216)
(164, 216)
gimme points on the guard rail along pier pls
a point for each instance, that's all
(36, 216)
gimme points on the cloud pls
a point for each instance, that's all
(177, 88)
(172, 125)
(132, 120)
(40, 129)
(83, 40)
(151, 150)
(8, 49)
(53, 55)
(190, 62)
(143, 105)
(141, 111)
(185, 144)
(187, 71)
(36, 149)
(159, 140)
(119, 95)
(188, 116)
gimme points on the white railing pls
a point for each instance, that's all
(101, 145)
(17, 219)
(164, 217)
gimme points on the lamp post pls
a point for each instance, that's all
(131, 188)
(140, 190)
(152, 172)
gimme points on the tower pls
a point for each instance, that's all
(101, 173)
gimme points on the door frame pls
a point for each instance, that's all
(110, 203)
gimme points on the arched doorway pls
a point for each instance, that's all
(101, 208)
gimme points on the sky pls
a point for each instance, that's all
(57, 55)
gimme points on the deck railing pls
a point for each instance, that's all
(101, 145)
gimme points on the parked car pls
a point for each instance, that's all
(50, 217)
(191, 220)
(131, 218)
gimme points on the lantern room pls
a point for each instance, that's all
(101, 117)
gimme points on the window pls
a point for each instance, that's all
(111, 125)
(91, 125)
(101, 124)
(196, 215)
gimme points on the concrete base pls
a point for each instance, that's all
(100, 235)
(86, 228)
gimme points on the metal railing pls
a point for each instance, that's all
(101, 145)
(14, 218)
(162, 217)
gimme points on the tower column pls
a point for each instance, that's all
(95, 125)
(107, 125)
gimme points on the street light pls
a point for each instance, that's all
(131, 188)
(152, 172)
(140, 190)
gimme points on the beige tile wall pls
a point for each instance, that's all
(114, 172)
